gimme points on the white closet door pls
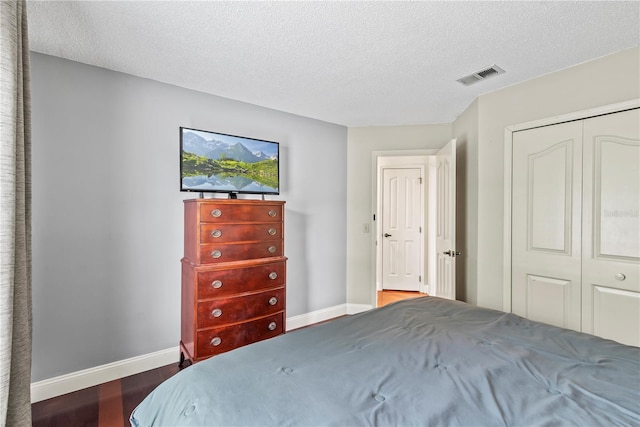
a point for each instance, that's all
(546, 222)
(611, 227)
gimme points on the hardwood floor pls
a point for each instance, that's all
(110, 404)
(105, 405)
(387, 297)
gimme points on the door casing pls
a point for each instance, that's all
(415, 157)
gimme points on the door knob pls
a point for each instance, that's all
(387, 235)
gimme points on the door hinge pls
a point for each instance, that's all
(420, 228)
(420, 180)
(419, 278)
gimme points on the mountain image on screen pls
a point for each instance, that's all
(216, 165)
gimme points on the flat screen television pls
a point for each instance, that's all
(212, 162)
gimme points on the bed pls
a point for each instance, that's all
(419, 362)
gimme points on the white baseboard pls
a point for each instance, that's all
(74, 381)
(310, 318)
(358, 308)
(321, 315)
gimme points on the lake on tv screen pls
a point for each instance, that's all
(215, 162)
(218, 183)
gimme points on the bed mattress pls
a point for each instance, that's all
(419, 362)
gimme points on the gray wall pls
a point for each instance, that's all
(107, 213)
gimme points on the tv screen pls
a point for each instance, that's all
(220, 163)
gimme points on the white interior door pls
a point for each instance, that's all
(402, 228)
(446, 253)
(546, 220)
(611, 227)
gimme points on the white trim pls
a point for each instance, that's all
(506, 264)
(321, 315)
(578, 115)
(403, 162)
(508, 148)
(74, 381)
(375, 209)
(358, 308)
(63, 384)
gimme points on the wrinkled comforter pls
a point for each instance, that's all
(419, 362)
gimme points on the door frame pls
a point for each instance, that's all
(508, 154)
(402, 162)
(375, 212)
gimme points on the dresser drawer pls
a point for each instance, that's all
(222, 212)
(222, 233)
(218, 340)
(223, 311)
(223, 283)
(210, 254)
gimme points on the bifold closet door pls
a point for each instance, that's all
(611, 227)
(546, 224)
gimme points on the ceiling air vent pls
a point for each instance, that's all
(485, 73)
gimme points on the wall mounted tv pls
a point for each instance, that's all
(218, 163)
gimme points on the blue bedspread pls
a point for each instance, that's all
(419, 362)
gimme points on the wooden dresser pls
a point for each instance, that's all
(233, 275)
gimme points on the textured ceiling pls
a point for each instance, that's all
(350, 63)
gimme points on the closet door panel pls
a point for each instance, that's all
(624, 326)
(611, 227)
(546, 215)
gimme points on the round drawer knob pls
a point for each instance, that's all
(273, 275)
(272, 231)
(272, 213)
(216, 284)
(620, 277)
(216, 213)
(272, 249)
(272, 326)
(273, 301)
(216, 254)
(216, 341)
(216, 313)
(216, 233)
